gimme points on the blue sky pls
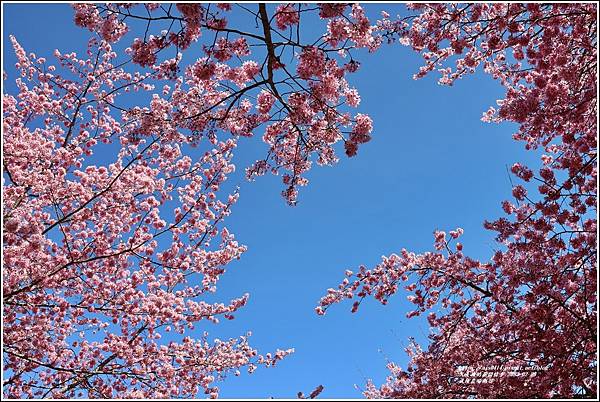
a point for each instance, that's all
(431, 164)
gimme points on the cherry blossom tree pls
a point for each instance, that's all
(115, 195)
(528, 316)
(114, 186)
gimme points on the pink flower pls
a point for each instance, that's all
(250, 69)
(312, 62)
(519, 192)
(331, 10)
(286, 15)
(351, 148)
(362, 128)
(455, 234)
(522, 171)
(144, 53)
(265, 101)
(352, 97)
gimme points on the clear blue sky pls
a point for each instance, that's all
(431, 164)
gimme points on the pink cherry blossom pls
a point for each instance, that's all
(534, 302)
(103, 259)
(286, 15)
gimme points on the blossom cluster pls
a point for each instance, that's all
(535, 300)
